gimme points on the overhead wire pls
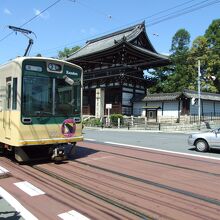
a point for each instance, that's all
(180, 10)
(152, 22)
(185, 10)
(155, 14)
(31, 19)
(174, 15)
(93, 8)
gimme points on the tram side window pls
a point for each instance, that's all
(14, 93)
(9, 96)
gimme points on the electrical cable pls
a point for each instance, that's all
(169, 16)
(94, 9)
(182, 13)
(152, 22)
(160, 12)
(31, 19)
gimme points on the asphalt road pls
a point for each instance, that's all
(175, 142)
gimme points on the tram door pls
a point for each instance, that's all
(7, 116)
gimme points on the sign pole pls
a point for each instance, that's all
(199, 95)
(108, 106)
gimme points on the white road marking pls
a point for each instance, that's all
(72, 215)
(29, 188)
(160, 150)
(3, 170)
(88, 139)
(16, 205)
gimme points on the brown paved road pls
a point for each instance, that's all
(158, 185)
(59, 197)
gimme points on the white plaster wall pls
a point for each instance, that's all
(217, 107)
(139, 91)
(193, 109)
(208, 107)
(138, 109)
(125, 89)
(170, 108)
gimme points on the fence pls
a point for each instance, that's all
(141, 123)
(205, 117)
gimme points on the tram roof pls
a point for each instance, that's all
(22, 58)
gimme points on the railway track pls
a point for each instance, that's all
(96, 195)
(159, 185)
(199, 198)
(162, 163)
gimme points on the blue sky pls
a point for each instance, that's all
(71, 22)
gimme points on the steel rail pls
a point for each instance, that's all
(156, 184)
(90, 192)
(162, 163)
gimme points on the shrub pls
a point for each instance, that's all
(93, 122)
(114, 119)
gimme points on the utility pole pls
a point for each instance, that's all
(199, 94)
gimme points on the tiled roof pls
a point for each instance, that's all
(114, 39)
(204, 95)
(173, 96)
(162, 96)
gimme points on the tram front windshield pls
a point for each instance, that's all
(49, 97)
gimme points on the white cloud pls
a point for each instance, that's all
(44, 15)
(7, 11)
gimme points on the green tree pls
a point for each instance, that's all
(158, 78)
(180, 75)
(212, 35)
(176, 76)
(200, 51)
(62, 54)
(180, 42)
(184, 69)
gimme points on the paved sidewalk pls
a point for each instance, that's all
(8, 212)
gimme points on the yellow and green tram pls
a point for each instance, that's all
(40, 108)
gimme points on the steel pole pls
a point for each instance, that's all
(199, 94)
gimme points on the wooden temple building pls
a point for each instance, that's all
(113, 69)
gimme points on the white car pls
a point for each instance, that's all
(206, 140)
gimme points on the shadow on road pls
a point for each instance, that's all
(10, 215)
(212, 150)
(84, 152)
